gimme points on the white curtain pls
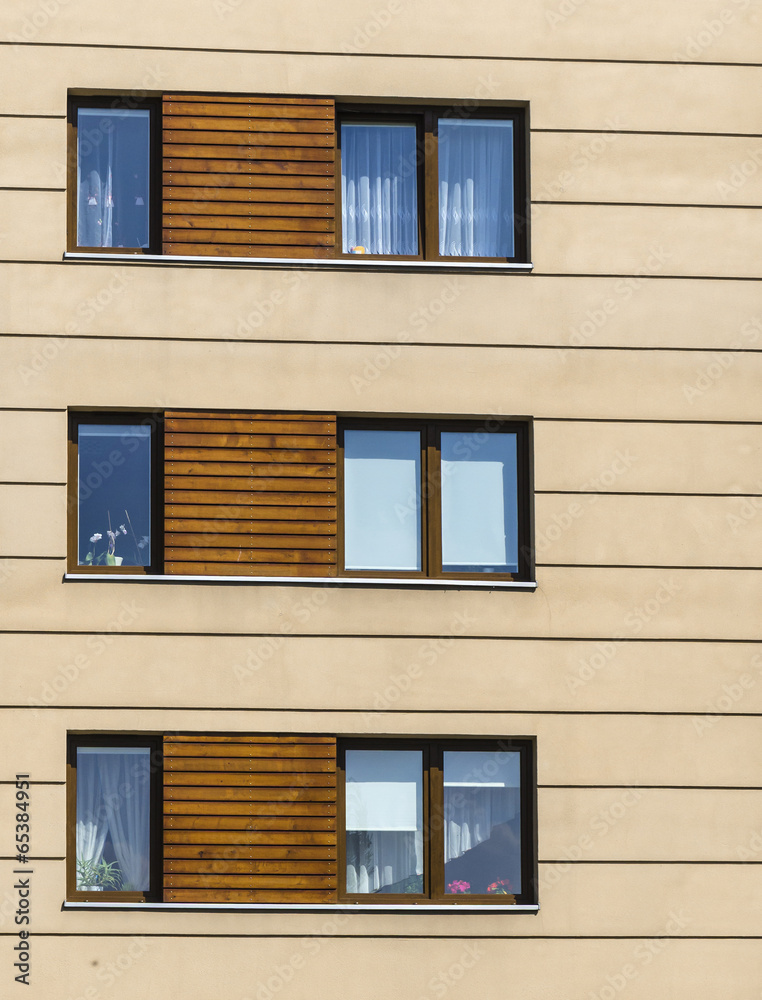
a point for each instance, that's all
(475, 188)
(379, 858)
(125, 780)
(92, 824)
(471, 813)
(95, 205)
(379, 211)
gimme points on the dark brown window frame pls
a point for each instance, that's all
(426, 115)
(431, 547)
(154, 743)
(117, 102)
(432, 749)
(156, 423)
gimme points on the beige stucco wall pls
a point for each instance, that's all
(635, 348)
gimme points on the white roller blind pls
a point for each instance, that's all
(477, 769)
(383, 790)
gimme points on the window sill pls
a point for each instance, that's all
(324, 264)
(307, 907)
(315, 581)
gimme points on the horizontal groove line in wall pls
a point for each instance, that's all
(332, 637)
(348, 910)
(354, 344)
(668, 566)
(330, 53)
(636, 493)
(635, 131)
(640, 204)
(388, 711)
(10, 187)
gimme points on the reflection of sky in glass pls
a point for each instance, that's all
(479, 502)
(112, 177)
(382, 511)
(482, 830)
(114, 491)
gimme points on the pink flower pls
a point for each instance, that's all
(459, 886)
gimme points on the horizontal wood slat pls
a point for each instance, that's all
(233, 852)
(241, 250)
(275, 147)
(294, 484)
(263, 834)
(251, 896)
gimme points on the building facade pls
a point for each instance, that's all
(379, 494)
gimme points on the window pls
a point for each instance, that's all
(434, 183)
(442, 820)
(114, 810)
(112, 184)
(435, 499)
(113, 490)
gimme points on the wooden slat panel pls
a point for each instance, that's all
(298, 881)
(239, 498)
(251, 896)
(258, 867)
(182, 835)
(183, 128)
(202, 209)
(299, 765)
(226, 424)
(296, 793)
(284, 468)
(231, 852)
(254, 513)
(253, 187)
(289, 489)
(245, 222)
(277, 456)
(241, 556)
(276, 749)
(234, 149)
(264, 833)
(239, 541)
(320, 529)
(253, 779)
(237, 250)
(177, 435)
(207, 138)
(262, 569)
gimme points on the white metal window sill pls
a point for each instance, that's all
(364, 263)
(316, 581)
(309, 907)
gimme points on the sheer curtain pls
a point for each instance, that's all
(379, 197)
(475, 188)
(379, 859)
(125, 779)
(471, 814)
(92, 825)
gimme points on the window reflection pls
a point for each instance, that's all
(113, 177)
(114, 492)
(482, 829)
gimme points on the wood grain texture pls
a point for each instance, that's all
(233, 508)
(272, 152)
(259, 827)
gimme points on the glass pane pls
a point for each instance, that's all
(379, 189)
(382, 500)
(384, 820)
(114, 495)
(113, 818)
(475, 188)
(112, 177)
(480, 531)
(482, 822)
